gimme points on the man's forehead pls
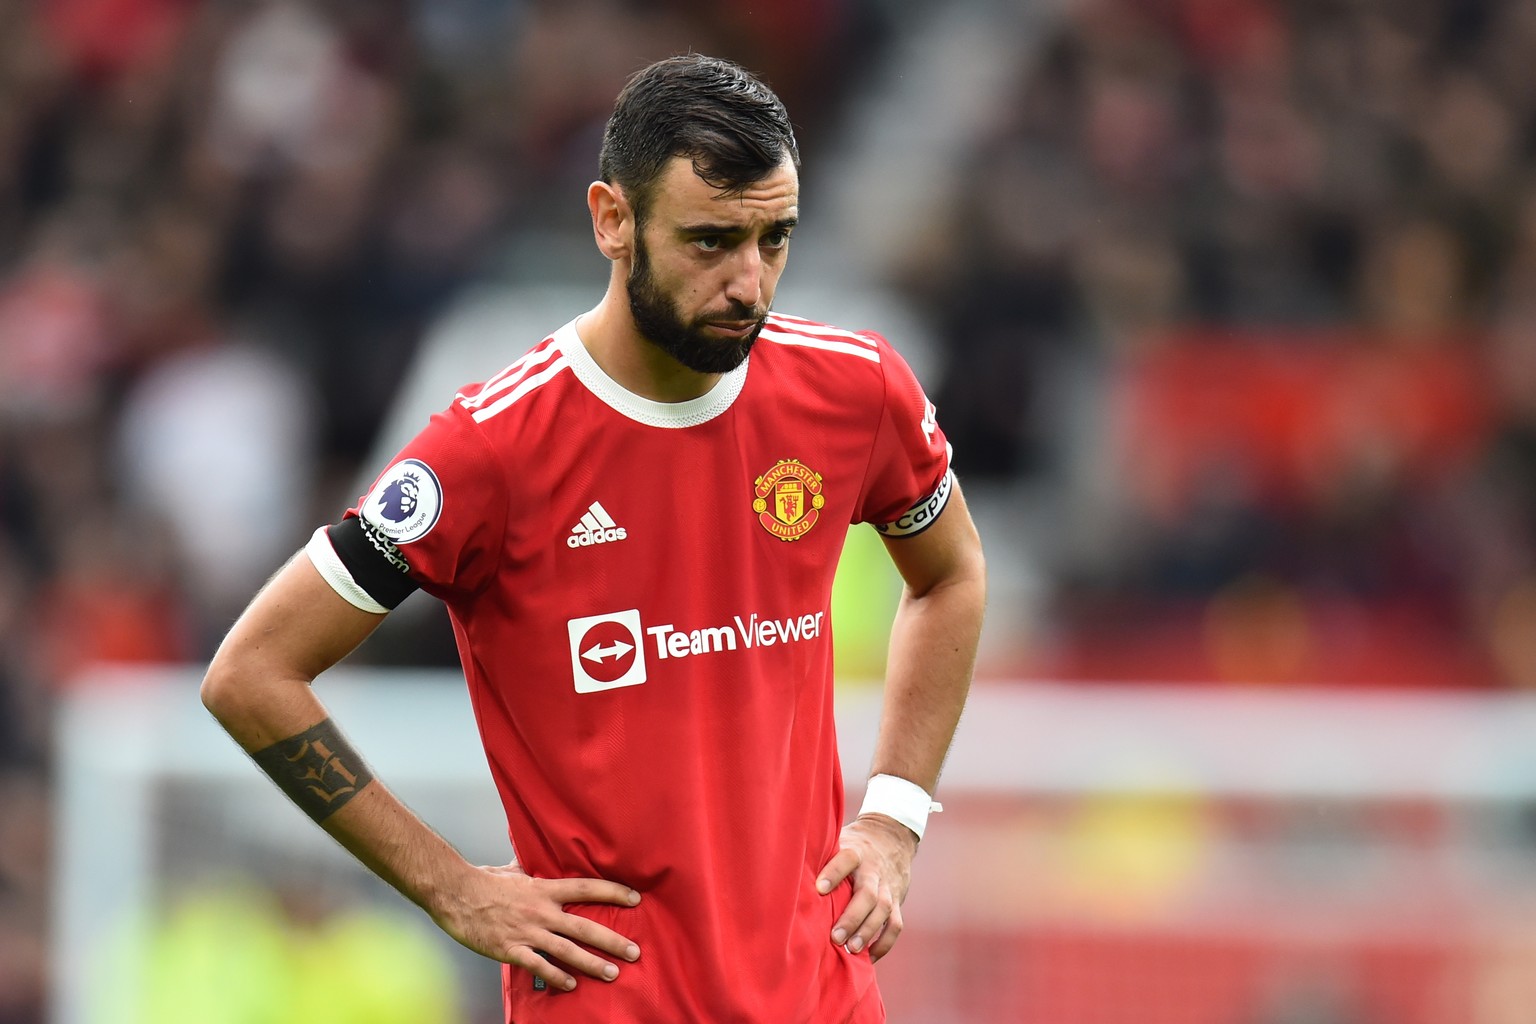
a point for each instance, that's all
(683, 190)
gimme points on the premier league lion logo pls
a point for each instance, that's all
(405, 503)
(398, 502)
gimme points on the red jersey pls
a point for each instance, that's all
(640, 593)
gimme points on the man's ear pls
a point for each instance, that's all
(613, 222)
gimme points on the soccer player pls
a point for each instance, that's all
(634, 527)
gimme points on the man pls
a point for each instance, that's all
(635, 528)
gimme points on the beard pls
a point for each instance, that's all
(686, 341)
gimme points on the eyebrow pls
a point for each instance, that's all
(782, 224)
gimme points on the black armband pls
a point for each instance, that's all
(372, 560)
(317, 769)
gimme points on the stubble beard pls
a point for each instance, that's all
(659, 323)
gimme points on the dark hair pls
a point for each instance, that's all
(732, 126)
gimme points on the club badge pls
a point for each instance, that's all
(788, 499)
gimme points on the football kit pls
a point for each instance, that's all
(640, 593)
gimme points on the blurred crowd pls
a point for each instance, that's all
(224, 228)
(1286, 255)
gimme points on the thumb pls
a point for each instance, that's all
(837, 869)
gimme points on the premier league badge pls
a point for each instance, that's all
(405, 503)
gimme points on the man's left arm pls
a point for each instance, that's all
(932, 656)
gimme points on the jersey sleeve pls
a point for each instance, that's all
(434, 518)
(908, 482)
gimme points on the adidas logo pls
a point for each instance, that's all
(596, 527)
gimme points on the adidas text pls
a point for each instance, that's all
(590, 537)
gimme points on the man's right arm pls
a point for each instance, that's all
(259, 688)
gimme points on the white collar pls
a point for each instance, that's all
(643, 410)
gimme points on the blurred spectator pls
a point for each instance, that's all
(55, 340)
(218, 443)
(1297, 222)
(112, 598)
(24, 861)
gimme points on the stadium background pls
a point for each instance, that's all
(1226, 306)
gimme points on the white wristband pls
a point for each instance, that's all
(897, 798)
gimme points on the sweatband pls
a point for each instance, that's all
(895, 797)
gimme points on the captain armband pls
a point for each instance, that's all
(317, 769)
(904, 801)
(922, 515)
(361, 564)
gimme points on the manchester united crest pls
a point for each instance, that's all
(788, 499)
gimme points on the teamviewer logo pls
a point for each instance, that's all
(606, 652)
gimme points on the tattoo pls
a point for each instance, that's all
(318, 769)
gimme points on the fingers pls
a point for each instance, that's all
(558, 939)
(863, 917)
(886, 940)
(591, 890)
(872, 918)
(837, 869)
(561, 947)
(590, 933)
(588, 963)
(571, 933)
(530, 961)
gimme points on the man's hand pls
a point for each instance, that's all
(507, 915)
(877, 851)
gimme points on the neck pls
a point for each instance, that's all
(639, 367)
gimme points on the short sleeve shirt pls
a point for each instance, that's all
(640, 593)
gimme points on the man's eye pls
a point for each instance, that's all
(776, 240)
(709, 243)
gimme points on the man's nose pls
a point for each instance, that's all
(745, 286)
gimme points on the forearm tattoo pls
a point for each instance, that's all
(318, 769)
